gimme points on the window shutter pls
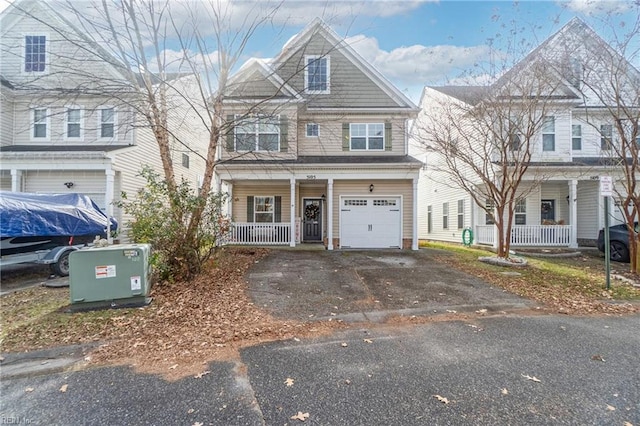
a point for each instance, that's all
(284, 133)
(277, 209)
(387, 137)
(230, 133)
(250, 208)
(345, 137)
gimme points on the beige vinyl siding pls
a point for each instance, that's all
(255, 85)
(391, 188)
(241, 192)
(588, 206)
(349, 86)
(6, 120)
(5, 180)
(435, 195)
(329, 141)
(91, 183)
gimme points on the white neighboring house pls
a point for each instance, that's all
(565, 208)
(67, 123)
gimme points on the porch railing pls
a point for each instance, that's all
(258, 234)
(529, 235)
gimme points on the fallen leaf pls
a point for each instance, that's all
(28, 390)
(597, 358)
(198, 424)
(347, 382)
(190, 410)
(200, 375)
(441, 399)
(532, 378)
(481, 311)
(289, 381)
(344, 344)
(300, 416)
(504, 391)
(451, 311)
(611, 408)
(173, 367)
(64, 388)
(368, 341)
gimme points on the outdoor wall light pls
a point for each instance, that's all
(68, 184)
(371, 188)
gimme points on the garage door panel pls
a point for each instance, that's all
(370, 222)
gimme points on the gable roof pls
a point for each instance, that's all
(261, 66)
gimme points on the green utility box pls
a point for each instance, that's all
(113, 276)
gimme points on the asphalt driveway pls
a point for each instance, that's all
(368, 285)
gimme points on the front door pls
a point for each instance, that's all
(312, 220)
(548, 211)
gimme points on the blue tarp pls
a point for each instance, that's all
(32, 215)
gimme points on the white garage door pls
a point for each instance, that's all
(370, 222)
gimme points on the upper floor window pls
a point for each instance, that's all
(73, 123)
(313, 130)
(514, 142)
(366, 136)
(317, 74)
(576, 137)
(35, 53)
(549, 133)
(258, 134)
(40, 123)
(521, 212)
(606, 136)
(107, 123)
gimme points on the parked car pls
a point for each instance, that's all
(618, 242)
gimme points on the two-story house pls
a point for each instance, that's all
(317, 150)
(560, 202)
(66, 121)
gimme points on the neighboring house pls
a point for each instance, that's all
(570, 150)
(317, 150)
(65, 123)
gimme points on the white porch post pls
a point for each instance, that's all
(16, 180)
(229, 199)
(108, 199)
(414, 233)
(292, 235)
(330, 214)
(573, 212)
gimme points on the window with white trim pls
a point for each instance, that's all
(35, 53)
(313, 130)
(263, 209)
(258, 134)
(490, 207)
(460, 214)
(576, 137)
(366, 136)
(606, 137)
(445, 215)
(317, 74)
(107, 117)
(40, 124)
(185, 160)
(73, 125)
(549, 133)
(521, 212)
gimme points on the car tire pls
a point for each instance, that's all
(61, 267)
(618, 252)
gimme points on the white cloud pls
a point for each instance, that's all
(418, 64)
(597, 7)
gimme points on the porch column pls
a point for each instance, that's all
(108, 199)
(292, 234)
(330, 214)
(16, 180)
(414, 233)
(229, 199)
(573, 213)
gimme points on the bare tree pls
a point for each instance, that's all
(481, 139)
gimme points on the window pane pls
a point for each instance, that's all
(106, 130)
(521, 219)
(358, 130)
(376, 130)
(73, 130)
(106, 115)
(358, 143)
(34, 53)
(73, 115)
(515, 142)
(268, 143)
(576, 130)
(548, 125)
(317, 74)
(264, 217)
(39, 115)
(40, 131)
(549, 142)
(312, 129)
(376, 143)
(245, 142)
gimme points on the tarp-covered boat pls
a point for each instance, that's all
(31, 222)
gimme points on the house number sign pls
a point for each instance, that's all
(311, 177)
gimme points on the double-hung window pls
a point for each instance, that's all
(107, 119)
(40, 124)
(576, 137)
(73, 119)
(460, 214)
(549, 133)
(606, 137)
(260, 133)
(490, 207)
(317, 74)
(521, 212)
(365, 137)
(263, 209)
(445, 215)
(35, 53)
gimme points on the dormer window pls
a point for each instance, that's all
(317, 74)
(35, 53)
